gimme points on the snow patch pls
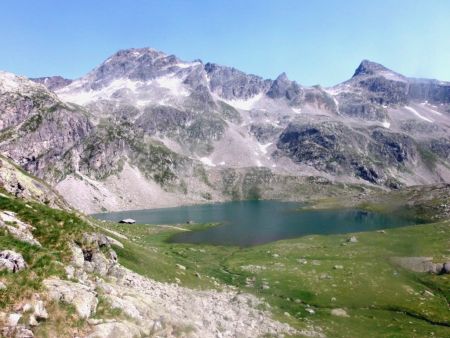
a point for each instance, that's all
(386, 124)
(245, 104)
(73, 93)
(174, 84)
(207, 161)
(415, 112)
(263, 147)
(186, 64)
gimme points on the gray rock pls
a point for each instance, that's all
(419, 264)
(446, 268)
(77, 255)
(352, 239)
(80, 296)
(18, 229)
(339, 313)
(11, 261)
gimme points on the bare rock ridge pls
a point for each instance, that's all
(147, 126)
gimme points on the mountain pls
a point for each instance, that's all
(146, 129)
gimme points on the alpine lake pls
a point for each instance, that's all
(247, 223)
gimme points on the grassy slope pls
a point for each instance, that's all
(54, 230)
(381, 299)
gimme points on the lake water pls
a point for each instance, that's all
(246, 223)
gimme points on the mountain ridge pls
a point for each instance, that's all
(192, 132)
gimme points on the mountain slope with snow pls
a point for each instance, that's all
(192, 132)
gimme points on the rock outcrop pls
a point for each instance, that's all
(11, 261)
(16, 228)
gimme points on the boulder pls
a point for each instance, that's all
(115, 242)
(80, 296)
(339, 313)
(77, 255)
(39, 312)
(422, 264)
(352, 239)
(446, 268)
(11, 261)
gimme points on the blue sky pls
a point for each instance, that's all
(314, 42)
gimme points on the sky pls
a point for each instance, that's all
(314, 42)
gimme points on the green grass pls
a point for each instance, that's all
(382, 300)
(53, 229)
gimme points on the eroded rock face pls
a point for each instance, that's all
(11, 261)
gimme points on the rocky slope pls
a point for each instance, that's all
(147, 129)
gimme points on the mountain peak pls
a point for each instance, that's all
(282, 77)
(367, 67)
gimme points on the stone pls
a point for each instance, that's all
(80, 296)
(2, 286)
(339, 313)
(419, 264)
(446, 268)
(115, 242)
(13, 319)
(181, 267)
(77, 255)
(310, 311)
(39, 310)
(338, 267)
(32, 321)
(352, 239)
(11, 261)
(23, 332)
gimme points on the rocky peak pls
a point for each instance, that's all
(140, 64)
(282, 78)
(52, 82)
(367, 67)
(231, 83)
(283, 87)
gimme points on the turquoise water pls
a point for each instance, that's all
(246, 223)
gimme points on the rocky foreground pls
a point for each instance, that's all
(145, 308)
